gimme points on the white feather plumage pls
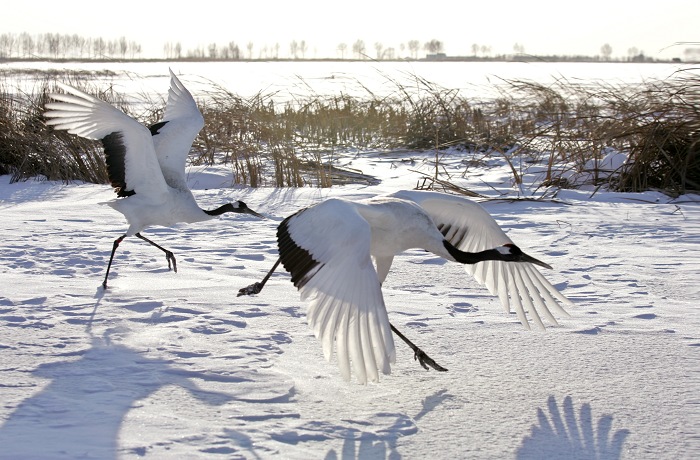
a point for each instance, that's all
(145, 165)
(346, 307)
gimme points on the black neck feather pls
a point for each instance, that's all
(228, 207)
(472, 257)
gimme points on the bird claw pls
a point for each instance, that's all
(426, 361)
(254, 288)
(169, 256)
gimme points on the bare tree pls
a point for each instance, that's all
(379, 47)
(54, 44)
(303, 47)
(123, 46)
(342, 47)
(40, 45)
(475, 49)
(249, 47)
(632, 52)
(413, 47)
(294, 48)
(6, 45)
(99, 47)
(212, 51)
(358, 48)
(233, 51)
(168, 50)
(433, 46)
(606, 51)
(26, 44)
(134, 49)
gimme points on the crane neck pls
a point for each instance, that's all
(228, 207)
(475, 257)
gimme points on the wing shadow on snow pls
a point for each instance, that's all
(80, 412)
(564, 435)
(361, 438)
(360, 443)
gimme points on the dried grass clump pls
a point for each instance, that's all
(656, 124)
(28, 148)
(664, 139)
(566, 126)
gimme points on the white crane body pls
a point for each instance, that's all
(146, 165)
(328, 249)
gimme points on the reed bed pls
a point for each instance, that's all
(566, 129)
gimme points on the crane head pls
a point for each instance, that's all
(236, 206)
(512, 253)
(241, 207)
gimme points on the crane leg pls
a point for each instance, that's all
(111, 257)
(170, 257)
(255, 288)
(419, 354)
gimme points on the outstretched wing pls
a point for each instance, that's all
(326, 250)
(468, 226)
(130, 155)
(173, 136)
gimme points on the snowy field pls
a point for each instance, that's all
(285, 81)
(174, 365)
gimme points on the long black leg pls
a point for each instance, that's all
(255, 288)
(419, 354)
(168, 254)
(111, 257)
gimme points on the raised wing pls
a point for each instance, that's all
(326, 250)
(129, 151)
(469, 227)
(173, 136)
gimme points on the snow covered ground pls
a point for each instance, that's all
(174, 365)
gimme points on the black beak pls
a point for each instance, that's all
(525, 258)
(250, 211)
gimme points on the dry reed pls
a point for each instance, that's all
(566, 126)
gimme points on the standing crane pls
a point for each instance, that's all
(145, 165)
(328, 250)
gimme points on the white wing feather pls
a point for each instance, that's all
(346, 303)
(86, 116)
(519, 286)
(174, 140)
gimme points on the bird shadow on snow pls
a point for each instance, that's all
(382, 444)
(566, 435)
(81, 410)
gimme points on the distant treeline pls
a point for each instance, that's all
(75, 47)
(62, 46)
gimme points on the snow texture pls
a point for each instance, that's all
(174, 365)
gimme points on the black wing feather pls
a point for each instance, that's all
(295, 259)
(115, 152)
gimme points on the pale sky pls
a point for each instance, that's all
(541, 27)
